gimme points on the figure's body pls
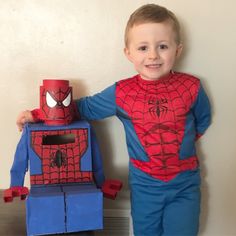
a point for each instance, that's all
(65, 165)
(163, 113)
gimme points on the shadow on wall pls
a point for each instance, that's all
(204, 190)
(79, 89)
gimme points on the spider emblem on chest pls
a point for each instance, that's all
(157, 107)
(58, 159)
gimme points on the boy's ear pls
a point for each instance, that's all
(179, 50)
(127, 54)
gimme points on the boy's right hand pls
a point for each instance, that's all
(24, 117)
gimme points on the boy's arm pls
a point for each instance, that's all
(27, 116)
(98, 106)
(202, 112)
(95, 107)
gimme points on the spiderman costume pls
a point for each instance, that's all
(162, 120)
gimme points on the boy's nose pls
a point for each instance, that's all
(153, 54)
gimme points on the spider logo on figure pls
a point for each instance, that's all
(58, 159)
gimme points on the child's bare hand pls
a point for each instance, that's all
(24, 117)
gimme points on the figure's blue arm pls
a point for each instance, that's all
(20, 164)
(202, 112)
(109, 187)
(98, 106)
(97, 161)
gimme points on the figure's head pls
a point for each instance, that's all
(56, 102)
(152, 41)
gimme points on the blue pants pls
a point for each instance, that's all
(168, 210)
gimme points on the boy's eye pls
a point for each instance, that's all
(142, 48)
(163, 46)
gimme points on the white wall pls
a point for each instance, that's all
(82, 41)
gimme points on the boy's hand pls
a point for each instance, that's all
(24, 117)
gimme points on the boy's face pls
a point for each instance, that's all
(152, 49)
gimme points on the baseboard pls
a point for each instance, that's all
(116, 223)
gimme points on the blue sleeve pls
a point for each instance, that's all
(98, 106)
(202, 112)
(20, 164)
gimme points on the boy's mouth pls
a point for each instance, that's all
(153, 66)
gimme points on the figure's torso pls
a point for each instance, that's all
(59, 153)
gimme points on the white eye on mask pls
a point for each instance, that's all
(67, 100)
(50, 101)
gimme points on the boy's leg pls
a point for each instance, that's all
(181, 215)
(146, 210)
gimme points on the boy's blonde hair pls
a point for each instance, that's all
(152, 13)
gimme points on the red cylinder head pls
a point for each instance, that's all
(56, 102)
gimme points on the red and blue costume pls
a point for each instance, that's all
(66, 174)
(162, 120)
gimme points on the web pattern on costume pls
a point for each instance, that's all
(71, 153)
(158, 113)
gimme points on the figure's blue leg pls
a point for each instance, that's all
(84, 207)
(45, 213)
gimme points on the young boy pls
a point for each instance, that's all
(163, 113)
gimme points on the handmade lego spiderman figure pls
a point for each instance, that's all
(66, 175)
